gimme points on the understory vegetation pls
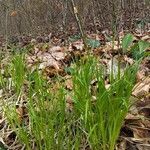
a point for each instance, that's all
(90, 116)
(74, 75)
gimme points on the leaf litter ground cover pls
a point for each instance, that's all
(52, 97)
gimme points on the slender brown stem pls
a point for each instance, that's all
(75, 11)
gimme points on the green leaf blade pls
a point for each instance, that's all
(127, 41)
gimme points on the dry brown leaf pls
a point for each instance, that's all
(112, 45)
(145, 111)
(146, 38)
(140, 75)
(143, 146)
(146, 123)
(78, 45)
(143, 102)
(53, 70)
(69, 103)
(128, 59)
(121, 145)
(13, 13)
(131, 117)
(140, 133)
(58, 55)
(21, 112)
(69, 84)
(10, 138)
(142, 89)
(56, 49)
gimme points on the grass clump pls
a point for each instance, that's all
(17, 71)
(103, 118)
(97, 116)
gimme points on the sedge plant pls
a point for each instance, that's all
(49, 125)
(103, 117)
(97, 116)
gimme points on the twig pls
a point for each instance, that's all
(75, 11)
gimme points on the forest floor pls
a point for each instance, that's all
(55, 56)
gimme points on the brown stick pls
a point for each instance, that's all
(75, 11)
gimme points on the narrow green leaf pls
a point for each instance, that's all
(138, 49)
(143, 45)
(127, 41)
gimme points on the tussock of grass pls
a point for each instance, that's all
(92, 123)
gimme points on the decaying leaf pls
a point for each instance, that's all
(145, 111)
(142, 89)
(78, 45)
(69, 84)
(140, 75)
(13, 13)
(146, 38)
(69, 103)
(21, 112)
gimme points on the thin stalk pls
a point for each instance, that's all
(75, 11)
